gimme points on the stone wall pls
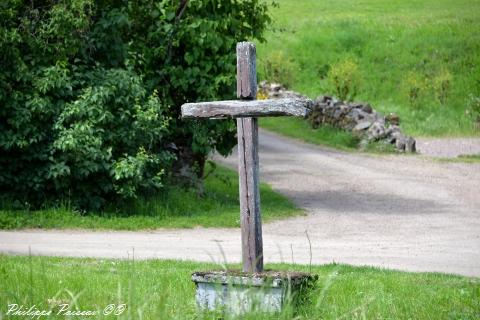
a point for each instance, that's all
(359, 118)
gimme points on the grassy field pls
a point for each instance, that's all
(418, 58)
(176, 208)
(158, 289)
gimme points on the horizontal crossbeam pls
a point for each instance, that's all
(248, 108)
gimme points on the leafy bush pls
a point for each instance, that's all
(90, 93)
(441, 85)
(279, 68)
(344, 77)
(414, 86)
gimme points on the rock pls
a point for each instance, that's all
(400, 143)
(393, 136)
(337, 103)
(359, 118)
(367, 108)
(276, 87)
(277, 91)
(392, 129)
(315, 118)
(376, 131)
(362, 126)
(263, 84)
(337, 114)
(324, 99)
(357, 105)
(357, 115)
(319, 106)
(378, 117)
(410, 145)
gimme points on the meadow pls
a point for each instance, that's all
(417, 58)
(162, 289)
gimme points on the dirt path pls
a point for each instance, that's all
(401, 212)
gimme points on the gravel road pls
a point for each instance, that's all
(403, 212)
(448, 147)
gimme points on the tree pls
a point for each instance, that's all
(90, 93)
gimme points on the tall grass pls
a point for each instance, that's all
(158, 289)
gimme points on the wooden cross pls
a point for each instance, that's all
(246, 110)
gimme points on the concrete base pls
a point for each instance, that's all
(237, 293)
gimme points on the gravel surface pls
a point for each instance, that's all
(402, 212)
(448, 147)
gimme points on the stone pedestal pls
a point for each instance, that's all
(237, 293)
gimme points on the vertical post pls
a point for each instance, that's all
(247, 133)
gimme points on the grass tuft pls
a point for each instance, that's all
(470, 158)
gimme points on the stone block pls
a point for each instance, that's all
(237, 293)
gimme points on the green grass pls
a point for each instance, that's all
(325, 135)
(176, 208)
(157, 289)
(301, 129)
(471, 158)
(388, 40)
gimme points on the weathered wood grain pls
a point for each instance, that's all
(250, 216)
(246, 70)
(247, 134)
(247, 108)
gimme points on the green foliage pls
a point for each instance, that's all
(474, 110)
(344, 78)
(90, 93)
(278, 68)
(414, 86)
(442, 83)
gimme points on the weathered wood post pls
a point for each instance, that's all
(246, 110)
(269, 290)
(247, 134)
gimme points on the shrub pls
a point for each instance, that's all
(414, 86)
(279, 68)
(90, 93)
(344, 78)
(441, 85)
